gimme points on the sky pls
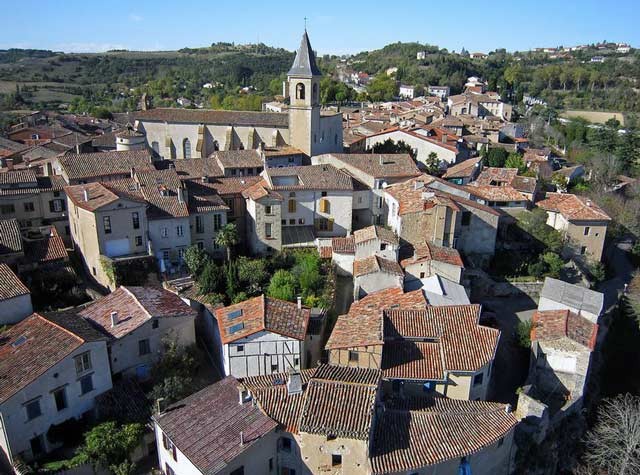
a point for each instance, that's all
(334, 26)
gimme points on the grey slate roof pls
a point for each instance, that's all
(305, 62)
(574, 296)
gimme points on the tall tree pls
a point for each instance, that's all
(227, 237)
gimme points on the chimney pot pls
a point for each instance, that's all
(114, 319)
(85, 194)
(133, 172)
(299, 301)
(241, 438)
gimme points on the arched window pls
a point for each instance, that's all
(186, 148)
(315, 93)
(299, 91)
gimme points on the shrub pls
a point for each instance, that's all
(253, 274)
(282, 285)
(195, 259)
(239, 297)
(210, 280)
(523, 333)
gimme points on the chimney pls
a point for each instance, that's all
(294, 383)
(114, 319)
(133, 172)
(180, 193)
(299, 302)
(381, 160)
(241, 438)
(444, 138)
(9, 163)
(243, 395)
(85, 194)
(160, 405)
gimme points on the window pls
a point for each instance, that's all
(240, 349)
(57, 206)
(29, 207)
(238, 471)
(135, 219)
(270, 464)
(165, 254)
(283, 222)
(583, 250)
(292, 222)
(217, 222)
(299, 91)
(186, 148)
(477, 379)
(466, 218)
(179, 230)
(296, 361)
(587, 230)
(336, 460)
(164, 233)
(138, 241)
(169, 447)
(144, 347)
(325, 206)
(86, 384)
(353, 356)
(380, 202)
(60, 397)
(324, 193)
(422, 275)
(167, 469)
(285, 444)
(383, 246)
(37, 446)
(200, 245)
(33, 409)
(300, 220)
(359, 200)
(83, 362)
(7, 209)
(267, 209)
(274, 367)
(106, 222)
(199, 225)
(267, 230)
(292, 206)
(155, 324)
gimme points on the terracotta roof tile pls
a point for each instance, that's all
(10, 285)
(496, 193)
(493, 176)
(375, 263)
(392, 165)
(207, 426)
(433, 252)
(262, 313)
(51, 249)
(412, 360)
(30, 348)
(463, 169)
(135, 306)
(163, 190)
(311, 177)
(343, 245)
(10, 237)
(573, 207)
(97, 165)
(375, 232)
(193, 168)
(208, 116)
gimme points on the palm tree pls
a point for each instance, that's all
(227, 237)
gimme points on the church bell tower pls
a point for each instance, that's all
(304, 92)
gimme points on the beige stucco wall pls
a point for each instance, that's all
(316, 453)
(368, 357)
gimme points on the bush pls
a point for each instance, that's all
(240, 297)
(282, 286)
(523, 333)
(253, 274)
(597, 271)
(109, 445)
(210, 280)
(195, 259)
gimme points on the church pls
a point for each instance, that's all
(197, 133)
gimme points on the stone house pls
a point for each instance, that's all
(15, 297)
(428, 209)
(52, 369)
(263, 335)
(559, 295)
(374, 273)
(464, 172)
(102, 166)
(428, 259)
(582, 221)
(376, 240)
(373, 172)
(35, 201)
(341, 251)
(137, 322)
(293, 206)
(421, 348)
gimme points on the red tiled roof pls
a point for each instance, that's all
(380, 165)
(432, 252)
(47, 250)
(412, 360)
(495, 176)
(375, 232)
(343, 245)
(496, 193)
(463, 169)
(362, 326)
(135, 306)
(261, 190)
(375, 263)
(105, 164)
(44, 344)
(208, 116)
(311, 177)
(207, 426)
(556, 324)
(436, 431)
(10, 285)
(99, 195)
(466, 345)
(262, 313)
(573, 207)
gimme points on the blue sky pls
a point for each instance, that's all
(334, 26)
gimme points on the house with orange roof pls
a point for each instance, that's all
(582, 221)
(52, 368)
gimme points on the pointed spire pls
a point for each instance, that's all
(305, 62)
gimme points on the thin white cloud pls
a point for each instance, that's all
(134, 17)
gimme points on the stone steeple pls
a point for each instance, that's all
(305, 62)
